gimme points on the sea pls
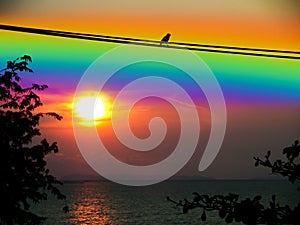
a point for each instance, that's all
(104, 202)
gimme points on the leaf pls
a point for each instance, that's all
(197, 197)
(257, 198)
(26, 58)
(66, 209)
(185, 209)
(203, 216)
(222, 212)
(229, 218)
(29, 70)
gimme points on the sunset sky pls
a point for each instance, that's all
(262, 94)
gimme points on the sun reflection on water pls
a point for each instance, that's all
(91, 207)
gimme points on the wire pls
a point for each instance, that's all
(176, 45)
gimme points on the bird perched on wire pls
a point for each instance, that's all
(165, 39)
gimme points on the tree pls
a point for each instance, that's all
(24, 178)
(252, 211)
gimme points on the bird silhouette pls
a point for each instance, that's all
(165, 39)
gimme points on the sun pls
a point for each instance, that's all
(90, 107)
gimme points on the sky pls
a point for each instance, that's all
(262, 95)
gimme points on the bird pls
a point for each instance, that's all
(165, 39)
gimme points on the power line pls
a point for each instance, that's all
(274, 53)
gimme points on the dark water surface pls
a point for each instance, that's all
(104, 202)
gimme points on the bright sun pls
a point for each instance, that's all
(90, 107)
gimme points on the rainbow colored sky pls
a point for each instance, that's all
(262, 94)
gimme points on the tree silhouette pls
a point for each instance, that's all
(24, 178)
(252, 211)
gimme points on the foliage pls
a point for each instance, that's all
(289, 168)
(24, 176)
(252, 211)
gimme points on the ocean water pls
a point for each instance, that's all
(105, 202)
